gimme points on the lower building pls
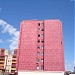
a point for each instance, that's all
(5, 61)
(14, 61)
(2, 60)
(41, 46)
(9, 61)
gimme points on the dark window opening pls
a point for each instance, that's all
(61, 42)
(42, 41)
(38, 47)
(38, 24)
(38, 35)
(38, 28)
(38, 41)
(36, 62)
(42, 29)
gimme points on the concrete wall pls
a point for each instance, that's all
(40, 73)
(52, 48)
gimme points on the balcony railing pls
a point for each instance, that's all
(14, 62)
(13, 68)
(14, 58)
(1, 67)
(13, 65)
(1, 61)
(2, 58)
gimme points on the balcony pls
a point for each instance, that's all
(14, 58)
(1, 68)
(14, 62)
(13, 65)
(12, 71)
(1, 61)
(1, 64)
(13, 68)
(2, 57)
(14, 55)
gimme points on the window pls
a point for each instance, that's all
(38, 47)
(41, 60)
(42, 47)
(38, 53)
(38, 24)
(43, 29)
(38, 41)
(42, 35)
(38, 67)
(42, 53)
(42, 24)
(61, 43)
(42, 67)
(38, 35)
(42, 41)
(38, 28)
(38, 60)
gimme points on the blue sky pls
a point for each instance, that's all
(12, 12)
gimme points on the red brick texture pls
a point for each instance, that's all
(41, 46)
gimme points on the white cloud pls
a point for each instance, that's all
(1, 41)
(7, 28)
(69, 65)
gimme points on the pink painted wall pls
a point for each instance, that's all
(53, 46)
(28, 46)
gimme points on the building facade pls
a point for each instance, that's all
(5, 60)
(2, 60)
(41, 46)
(8, 60)
(14, 61)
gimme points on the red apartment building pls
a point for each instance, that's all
(41, 46)
(2, 60)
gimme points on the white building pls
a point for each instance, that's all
(8, 57)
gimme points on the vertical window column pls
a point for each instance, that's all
(40, 47)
